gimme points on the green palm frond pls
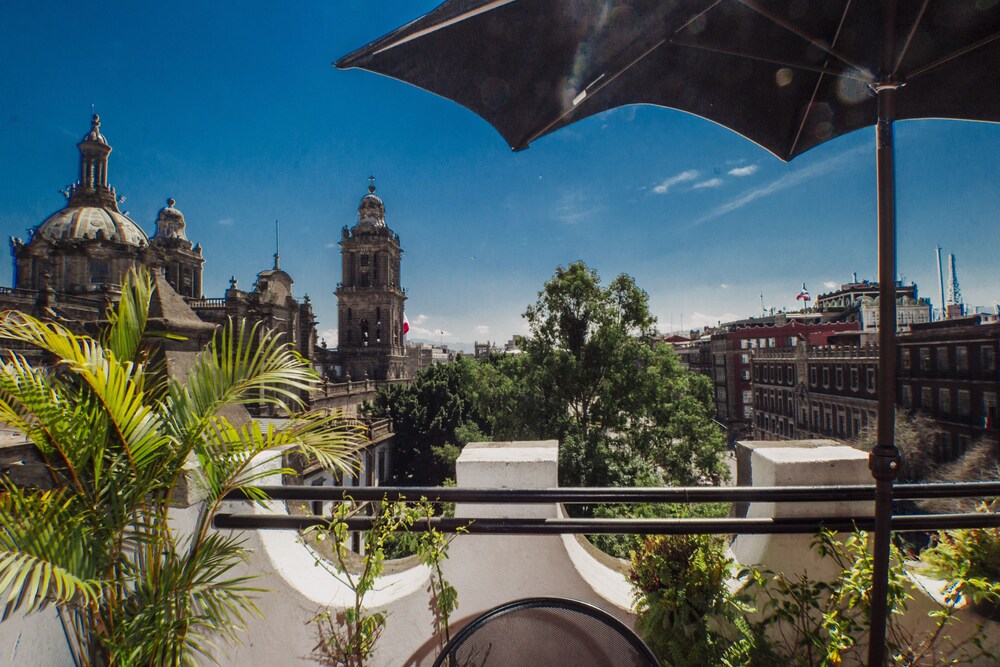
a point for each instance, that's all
(327, 439)
(189, 597)
(30, 404)
(116, 440)
(127, 320)
(44, 554)
(229, 457)
(241, 366)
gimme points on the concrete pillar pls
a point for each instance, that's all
(799, 466)
(508, 465)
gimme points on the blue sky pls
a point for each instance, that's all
(235, 111)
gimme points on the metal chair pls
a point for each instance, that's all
(546, 631)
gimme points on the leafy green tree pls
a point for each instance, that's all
(586, 342)
(431, 417)
(131, 587)
(592, 376)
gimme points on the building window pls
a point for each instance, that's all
(744, 344)
(905, 358)
(790, 374)
(771, 342)
(962, 359)
(989, 409)
(927, 399)
(855, 378)
(840, 377)
(744, 358)
(747, 396)
(944, 401)
(906, 396)
(826, 376)
(925, 358)
(871, 380)
(942, 359)
(745, 375)
(100, 272)
(964, 403)
(989, 358)
(812, 376)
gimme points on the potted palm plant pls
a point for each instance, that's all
(118, 440)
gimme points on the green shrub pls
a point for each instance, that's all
(686, 613)
(969, 559)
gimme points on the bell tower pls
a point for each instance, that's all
(92, 189)
(370, 296)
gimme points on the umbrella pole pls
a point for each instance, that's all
(884, 458)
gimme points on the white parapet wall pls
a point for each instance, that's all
(800, 466)
(823, 463)
(486, 570)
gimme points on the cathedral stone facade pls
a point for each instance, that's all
(72, 264)
(370, 298)
(87, 247)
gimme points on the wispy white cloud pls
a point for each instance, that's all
(829, 284)
(724, 286)
(226, 221)
(748, 170)
(683, 177)
(787, 181)
(329, 335)
(419, 319)
(574, 207)
(482, 329)
(330, 245)
(710, 183)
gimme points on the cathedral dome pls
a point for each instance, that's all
(91, 222)
(170, 223)
(95, 132)
(371, 210)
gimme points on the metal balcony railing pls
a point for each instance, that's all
(551, 526)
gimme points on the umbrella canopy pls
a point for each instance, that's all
(786, 74)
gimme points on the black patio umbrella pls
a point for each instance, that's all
(786, 74)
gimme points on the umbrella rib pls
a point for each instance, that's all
(862, 76)
(586, 93)
(605, 80)
(951, 56)
(909, 38)
(795, 30)
(819, 80)
(444, 24)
